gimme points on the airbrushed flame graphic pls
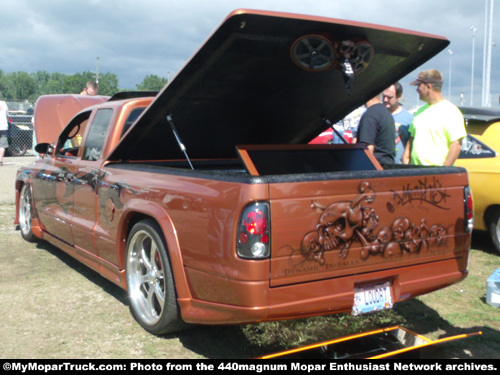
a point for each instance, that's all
(342, 223)
(93, 179)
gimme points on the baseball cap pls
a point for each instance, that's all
(429, 76)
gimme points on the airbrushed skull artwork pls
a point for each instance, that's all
(343, 223)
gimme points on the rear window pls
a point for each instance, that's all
(133, 115)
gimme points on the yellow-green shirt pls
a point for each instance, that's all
(433, 129)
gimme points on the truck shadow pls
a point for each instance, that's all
(94, 277)
(481, 241)
(220, 342)
(208, 341)
(425, 321)
(234, 341)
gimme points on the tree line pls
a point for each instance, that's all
(20, 86)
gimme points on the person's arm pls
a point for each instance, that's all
(453, 152)
(367, 132)
(405, 159)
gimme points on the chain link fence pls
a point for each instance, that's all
(20, 132)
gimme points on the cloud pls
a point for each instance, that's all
(134, 39)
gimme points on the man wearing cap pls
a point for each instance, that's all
(438, 127)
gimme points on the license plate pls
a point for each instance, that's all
(371, 298)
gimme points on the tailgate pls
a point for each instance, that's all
(328, 229)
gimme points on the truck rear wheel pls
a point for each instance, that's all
(494, 228)
(24, 214)
(150, 283)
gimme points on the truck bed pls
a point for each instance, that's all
(429, 253)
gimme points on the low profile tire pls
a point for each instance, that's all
(150, 284)
(25, 213)
(494, 228)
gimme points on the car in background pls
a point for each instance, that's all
(20, 135)
(480, 155)
(333, 135)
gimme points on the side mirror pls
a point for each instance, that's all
(44, 148)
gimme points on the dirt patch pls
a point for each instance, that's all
(8, 171)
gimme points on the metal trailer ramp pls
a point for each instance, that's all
(390, 342)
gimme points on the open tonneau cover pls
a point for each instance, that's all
(272, 78)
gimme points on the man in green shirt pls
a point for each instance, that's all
(438, 127)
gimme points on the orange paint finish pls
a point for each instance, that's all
(209, 207)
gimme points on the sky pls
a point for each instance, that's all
(134, 39)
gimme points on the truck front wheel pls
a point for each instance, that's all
(24, 214)
(150, 284)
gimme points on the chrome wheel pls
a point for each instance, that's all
(146, 277)
(25, 213)
(153, 301)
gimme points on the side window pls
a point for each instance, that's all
(98, 129)
(69, 141)
(133, 115)
(473, 148)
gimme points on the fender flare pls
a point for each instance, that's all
(160, 215)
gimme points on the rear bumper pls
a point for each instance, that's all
(257, 302)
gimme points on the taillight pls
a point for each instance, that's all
(254, 232)
(469, 209)
(255, 222)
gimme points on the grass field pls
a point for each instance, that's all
(54, 307)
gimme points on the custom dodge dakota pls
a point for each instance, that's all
(206, 203)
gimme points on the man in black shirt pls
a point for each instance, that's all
(377, 129)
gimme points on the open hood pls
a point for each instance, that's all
(272, 78)
(53, 112)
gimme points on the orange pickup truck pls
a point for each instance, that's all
(206, 202)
